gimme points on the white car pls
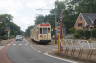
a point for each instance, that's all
(19, 38)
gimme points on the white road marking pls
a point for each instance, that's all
(8, 44)
(54, 56)
(60, 58)
(36, 49)
(14, 44)
(20, 44)
(39, 51)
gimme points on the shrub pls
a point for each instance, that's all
(72, 30)
(3, 37)
(94, 33)
(78, 34)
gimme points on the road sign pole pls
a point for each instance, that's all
(60, 35)
(58, 42)
(8, 34)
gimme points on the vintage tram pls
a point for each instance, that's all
(41, 33)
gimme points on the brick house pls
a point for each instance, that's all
(85, 21)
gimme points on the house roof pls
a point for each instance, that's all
(89, 17)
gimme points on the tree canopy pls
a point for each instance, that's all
(71, 10)
(6, 24)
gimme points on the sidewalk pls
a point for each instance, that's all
(3, 51)
(3, 55)
(1, 47)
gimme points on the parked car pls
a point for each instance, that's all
(19, 38)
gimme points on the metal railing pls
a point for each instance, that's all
(80, 48)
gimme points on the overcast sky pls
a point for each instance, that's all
(24, 11)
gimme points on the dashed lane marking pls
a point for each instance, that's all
(8, 44)
(19, 44)
(14, 44)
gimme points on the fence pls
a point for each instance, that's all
(82, 49)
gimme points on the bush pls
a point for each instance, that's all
(72, 30)
(85, 34)
(3, 37)
(94, 33)
(78, 34)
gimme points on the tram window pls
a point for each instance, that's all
(48, 29)
(44, 30)
(40, 30)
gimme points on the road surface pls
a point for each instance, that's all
(22, 52)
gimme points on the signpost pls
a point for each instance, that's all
(8, 31)
(60, 33)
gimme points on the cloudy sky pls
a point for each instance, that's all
(25, 11)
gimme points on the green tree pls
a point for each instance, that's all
(39, 19)
(71, 10)
(6, 18)
(8, 25)
(86, 6)
(28, 31)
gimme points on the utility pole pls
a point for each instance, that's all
(55, 24)
(60, 33)
(61, 25)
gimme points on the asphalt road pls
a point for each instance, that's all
(22, 52)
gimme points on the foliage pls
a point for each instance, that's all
(72, 30)
(6, 18)
(6, 24)
(39, 19)
(54, 16)
(94, 33)
(86, 6)
(28, 31)
(85, 34)
(78, 34)
(71, 10)
(15, 30)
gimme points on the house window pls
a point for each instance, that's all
(79, 24)
(40, 30)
